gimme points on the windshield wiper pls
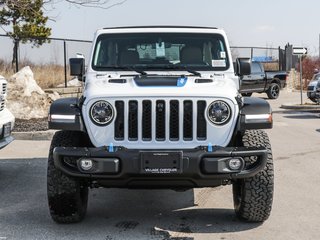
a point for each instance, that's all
(131, 68)
(185, 68)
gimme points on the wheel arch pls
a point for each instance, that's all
(276, 80)
(255, 113)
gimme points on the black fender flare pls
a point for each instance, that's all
(255, 113)
(65, 114)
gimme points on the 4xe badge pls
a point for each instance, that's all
(181, 82)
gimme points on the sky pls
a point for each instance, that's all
(247, 22)
(258, 23)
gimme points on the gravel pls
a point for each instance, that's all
(31, 125)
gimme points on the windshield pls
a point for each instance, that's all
(156, 51)
(316, 77)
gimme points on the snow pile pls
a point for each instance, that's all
(26, 99)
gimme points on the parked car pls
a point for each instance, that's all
(6, 117)
(261, 81)
(160, 109)
(313, 91)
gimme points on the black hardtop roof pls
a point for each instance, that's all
(161, 26)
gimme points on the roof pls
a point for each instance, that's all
(161, 26)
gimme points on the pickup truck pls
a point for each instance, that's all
(261, 81)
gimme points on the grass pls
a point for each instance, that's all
(46, 75)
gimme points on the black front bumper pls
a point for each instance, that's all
(5, 141)
(123, 167)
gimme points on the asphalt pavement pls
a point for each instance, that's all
(116, 214)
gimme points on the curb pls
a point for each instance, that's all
(34, 136)
(301, 107)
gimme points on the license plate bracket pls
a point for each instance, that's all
(166, 162)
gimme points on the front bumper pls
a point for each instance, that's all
(6, 126)
(123, 167)
(5, 141)
(313, 94)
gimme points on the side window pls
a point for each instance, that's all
(255, 67)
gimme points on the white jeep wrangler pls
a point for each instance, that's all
(6, 117)
(160, 109)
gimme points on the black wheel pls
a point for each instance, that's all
(246, 94)
(67, 197)
(253, 196)
(274, 91)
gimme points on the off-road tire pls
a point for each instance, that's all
(246, 94)
(273, 91)
(67, 197)
(253, 196)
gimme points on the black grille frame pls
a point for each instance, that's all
(160, 120)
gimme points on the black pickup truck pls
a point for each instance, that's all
(261, 81)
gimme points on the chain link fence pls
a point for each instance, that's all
(49, 62)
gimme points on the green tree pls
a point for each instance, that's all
(26, 21)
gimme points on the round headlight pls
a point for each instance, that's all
(101, 113)
(219, 112)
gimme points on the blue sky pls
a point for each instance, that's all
(260, 23)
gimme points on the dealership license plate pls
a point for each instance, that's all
(6, 130)
(161, 162)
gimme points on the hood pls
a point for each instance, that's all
(313, 83)
(119, 86)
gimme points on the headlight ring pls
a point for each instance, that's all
(101, 113)
(219, 112)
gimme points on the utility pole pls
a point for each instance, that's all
(301, 87)
(300, 51)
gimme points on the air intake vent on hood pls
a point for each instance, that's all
(203, 80)
(156, 81)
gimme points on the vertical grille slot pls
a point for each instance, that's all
(119, 122)
(133, 121)
(174, 120)
(201, 121)
(1, 105)
(187, 120)
(160, 120)
(146, 120)
(4, 88)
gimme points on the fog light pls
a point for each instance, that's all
(86, 164)
(235, 164)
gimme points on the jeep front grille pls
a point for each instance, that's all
(3, 88)
(160, 120)
(310, 88)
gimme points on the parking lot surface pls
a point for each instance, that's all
(164, 214)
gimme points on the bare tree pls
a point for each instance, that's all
(105, 4)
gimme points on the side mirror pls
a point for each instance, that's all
(243, 66)
(77, 67)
